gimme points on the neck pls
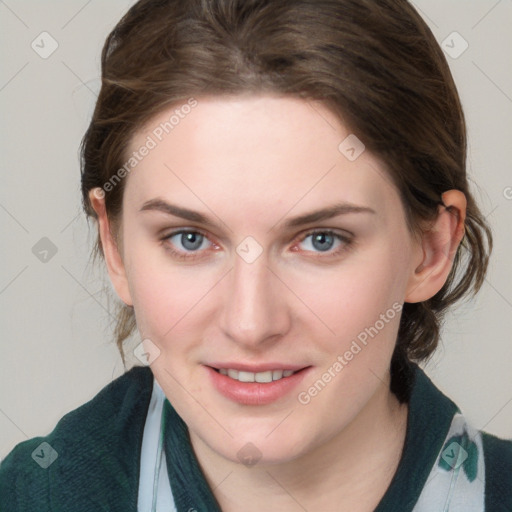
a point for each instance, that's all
(351, 471)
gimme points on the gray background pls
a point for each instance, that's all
(57, 349)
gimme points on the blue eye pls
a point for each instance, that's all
(321, 241)
(190, 240)
(325, 241)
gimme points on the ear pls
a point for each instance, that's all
(438, 248)
(113, 259)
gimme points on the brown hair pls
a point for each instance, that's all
(375, 64)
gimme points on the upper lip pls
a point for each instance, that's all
(256, 368)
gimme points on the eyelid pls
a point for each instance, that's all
(343, 233)
(178, 231)
(168, 232)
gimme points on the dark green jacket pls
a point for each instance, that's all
(99, 448)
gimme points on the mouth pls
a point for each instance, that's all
(256, 385)
(262, 377)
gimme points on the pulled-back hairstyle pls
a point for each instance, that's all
(375, 64)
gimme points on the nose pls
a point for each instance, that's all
(254, 308)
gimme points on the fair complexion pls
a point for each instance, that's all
(249, 165)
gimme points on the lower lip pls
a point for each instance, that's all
(255, 393)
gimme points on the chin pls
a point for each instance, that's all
(260, 448)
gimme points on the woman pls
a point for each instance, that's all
(282, 205)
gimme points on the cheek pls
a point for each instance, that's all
(165, 295)
(350, 299)
(362, 305)
(168, 301)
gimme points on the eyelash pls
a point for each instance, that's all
(346, 244)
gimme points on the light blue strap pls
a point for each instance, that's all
(155, 492)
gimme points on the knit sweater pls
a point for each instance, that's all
(90, 462)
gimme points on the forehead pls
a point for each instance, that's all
(259, 153)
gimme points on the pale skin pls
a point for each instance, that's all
(249, 164)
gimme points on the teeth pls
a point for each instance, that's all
(233, 374)
(246, 376)
(277, 374)
(263, 377)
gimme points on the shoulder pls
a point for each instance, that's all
(498, 472)
(98, 441)
(436, 423)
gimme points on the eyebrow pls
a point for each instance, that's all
(329, 212)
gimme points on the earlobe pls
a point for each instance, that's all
(115, 265)
(438, 245)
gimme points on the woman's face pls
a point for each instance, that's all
(295, 256)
